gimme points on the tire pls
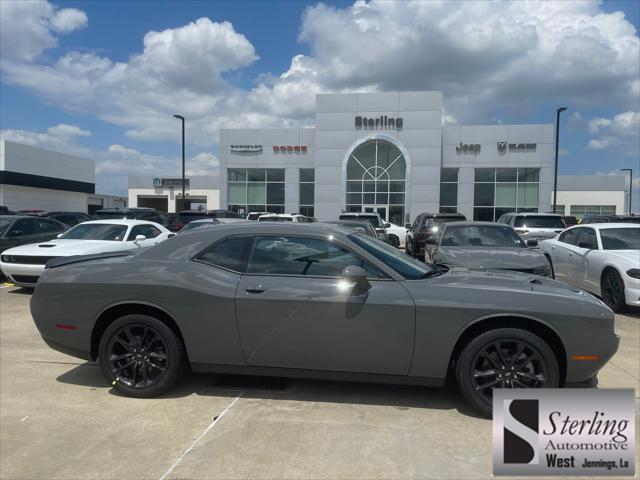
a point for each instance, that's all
(480, 356)
(138, 373)
(612, 289)
(394, 241)
(407, 246)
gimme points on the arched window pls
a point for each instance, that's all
(376, 174)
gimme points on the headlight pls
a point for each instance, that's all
(634, 273)
(542, 271)
(6, 258)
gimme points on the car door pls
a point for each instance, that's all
(22, 232)
(582, 256)
(295, 311)
(561, 251)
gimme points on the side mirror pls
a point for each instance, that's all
(532, 243)
(15, 233)
(357, 276)
(407, 226)
(59, 235)
(387, 225)
(139, 238)
(171, 235)
(431, 241)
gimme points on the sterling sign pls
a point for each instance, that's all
(383, 122)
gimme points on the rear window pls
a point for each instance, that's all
(275, 219)
(539, 221)
(443, 219)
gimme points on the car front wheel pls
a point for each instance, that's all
(504, 358)
(394, 241)
(141, 356)
(613, 290)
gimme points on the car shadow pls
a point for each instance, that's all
(21, 291)
(402, 397)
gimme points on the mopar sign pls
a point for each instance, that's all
(169, 182)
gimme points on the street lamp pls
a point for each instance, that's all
(555, 175)
(630, 170)
(181, 118)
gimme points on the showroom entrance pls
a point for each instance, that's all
(376, 177)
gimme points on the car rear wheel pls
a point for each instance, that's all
(504, 358)
(141, 356)
(553, 272)
(394, 241)
(613, 290)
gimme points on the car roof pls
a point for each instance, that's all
(606, 225)
(471, 223)
(536, 214)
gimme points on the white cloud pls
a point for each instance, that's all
(57, 137)
(483, 55)
(65, 130)
(599, 144)
(27, 27)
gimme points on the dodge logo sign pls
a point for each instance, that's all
(290, 149)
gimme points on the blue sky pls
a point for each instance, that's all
(87, 66)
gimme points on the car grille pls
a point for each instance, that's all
(25, 278)
(26, 259)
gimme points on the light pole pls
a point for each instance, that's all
(555, 175)
(181, 118)
(630, 170)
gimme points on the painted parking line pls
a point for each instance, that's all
(6, 285)
(200, 437)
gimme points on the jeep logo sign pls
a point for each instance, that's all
(472, 148)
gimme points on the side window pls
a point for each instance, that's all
(26, 226)
(570, 236)
(588, 239)
(230, 254)
(148, 231)
(303, 256)
(46, 226)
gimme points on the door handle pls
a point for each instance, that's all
(255, 289)
(571, 254)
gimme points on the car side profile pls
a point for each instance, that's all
(603, 259)
(309, 301)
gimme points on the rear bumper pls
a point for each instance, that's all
(67, 350)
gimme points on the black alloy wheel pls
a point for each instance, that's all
(141, 356)
(613, 290)
(504, 358)
(394, 241)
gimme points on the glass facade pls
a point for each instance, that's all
(584, 211)
(502, 190)
(376, 173)
(255, 190)
(307, 191)
(449, 190)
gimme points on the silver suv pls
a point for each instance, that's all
(533, 225)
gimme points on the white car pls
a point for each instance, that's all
(603, 259)
(24, 264)
(396, 235)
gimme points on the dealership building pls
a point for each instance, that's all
(379, 152)
(389, 153)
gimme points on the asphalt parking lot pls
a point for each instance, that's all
(60, 420)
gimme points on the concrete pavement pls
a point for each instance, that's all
(60, 420)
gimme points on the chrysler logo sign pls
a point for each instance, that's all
(245, 148)
(383, 122)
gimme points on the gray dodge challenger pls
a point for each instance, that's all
(310, 301)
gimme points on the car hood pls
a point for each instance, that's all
(62, 248)
(508, 281)
(474, 257)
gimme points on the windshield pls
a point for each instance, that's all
(408, 267)
(97, 231)
(194, 225)
(481, 236)
(4, 222)
(372, 219)
(620, 238)
(190, 217)
(539, 221)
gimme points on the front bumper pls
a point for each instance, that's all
(632, 296)
(22, 274)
